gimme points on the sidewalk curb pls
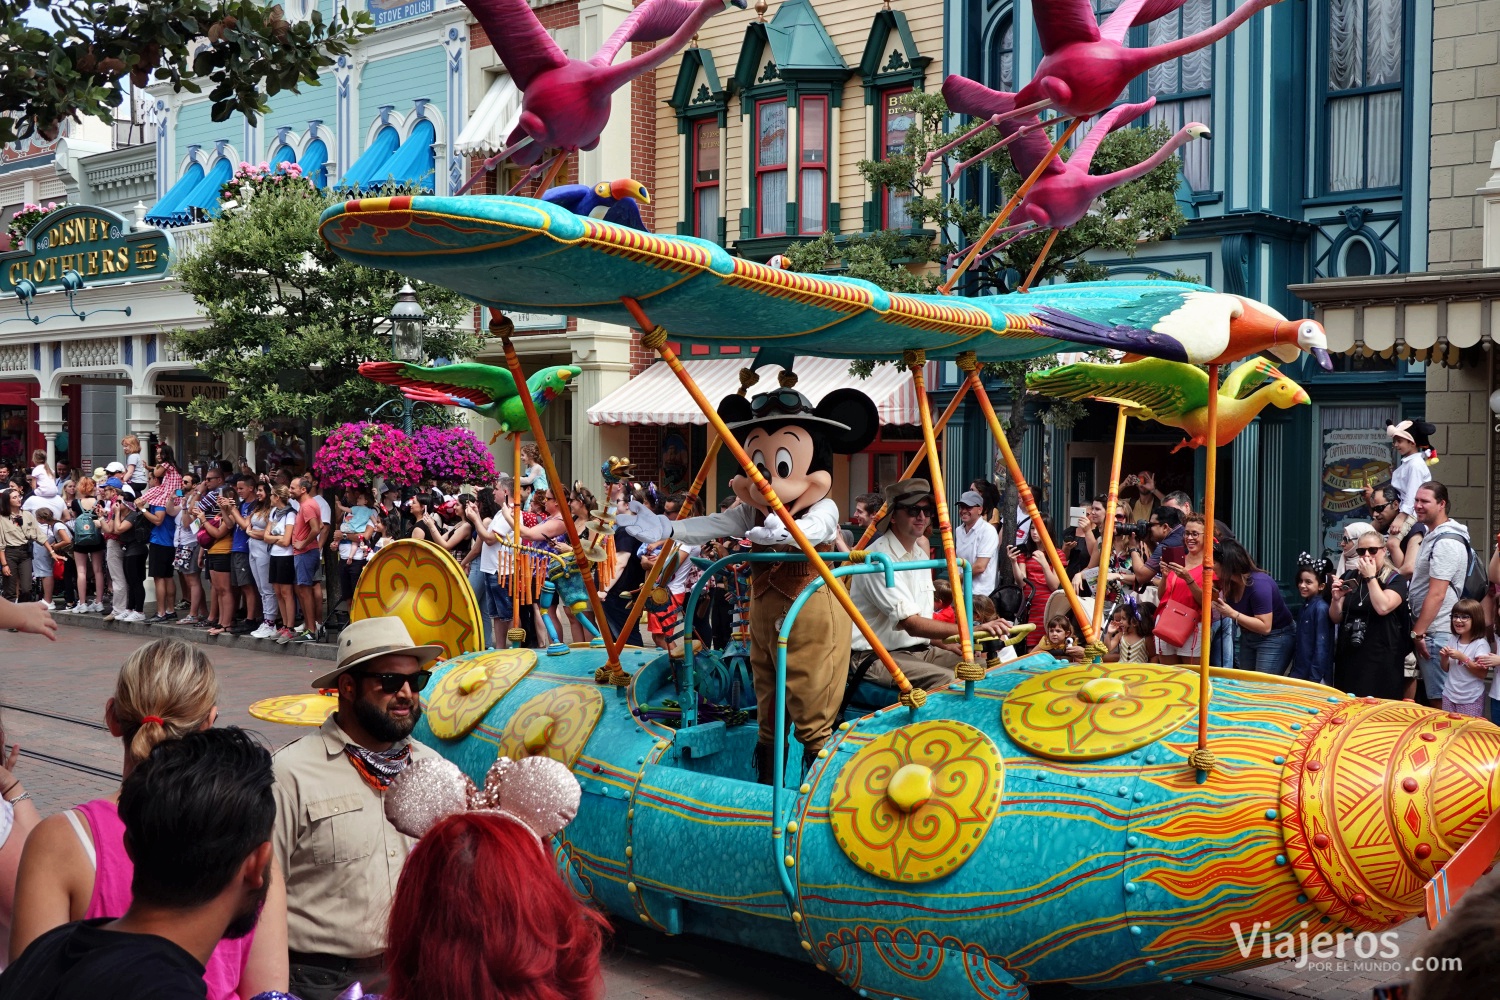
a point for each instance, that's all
(310, 650)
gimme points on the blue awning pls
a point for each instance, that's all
(314, 163)
(283, 154)
(164, 210)
(369, 169)
(413, 163)
(204, 198)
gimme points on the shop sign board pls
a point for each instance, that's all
(94, 242)
(384, 12)
(186, 392)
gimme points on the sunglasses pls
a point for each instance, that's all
(917, 510)
(393, 683)
(785, 399)
(1369, 552)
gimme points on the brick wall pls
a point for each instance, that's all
(643, 133)
(1458, 404)
(1465, 127)
(644, 450)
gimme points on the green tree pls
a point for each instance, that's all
(78, 64)
(289, 321)
(1144, 210)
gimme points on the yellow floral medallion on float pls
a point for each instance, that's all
(472, 686)
(556, 723)
(295, 709)
(1084, 713)
(421, 584)
(915, 802)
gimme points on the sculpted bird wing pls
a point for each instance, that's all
(652, 21)
(480, 384)
(1115, 117)
(518, 38)
(1063, 22)
(1158, 388)
(972, 98)
(626, 212)
(1133, 13)
(569, 196)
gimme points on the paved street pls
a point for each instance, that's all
(52, 703)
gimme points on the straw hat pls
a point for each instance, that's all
(369, 638)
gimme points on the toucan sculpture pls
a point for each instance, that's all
(613, 201)
(485, 389)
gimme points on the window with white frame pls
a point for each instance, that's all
(705, 173)
(770, 167)
(812, 165)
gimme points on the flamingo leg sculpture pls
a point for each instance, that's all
(565, 102)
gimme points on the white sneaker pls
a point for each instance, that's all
(96, 608)
(265, 631)
(130, 616)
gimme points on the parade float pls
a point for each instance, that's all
(1034, 821)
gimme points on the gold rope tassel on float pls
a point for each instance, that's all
(969, 364)
(654, 338)
(617, 675)
(967, 669)
(1201, 759)
(1107, 532)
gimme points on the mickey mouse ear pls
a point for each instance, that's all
(735, 409)
(855, 409)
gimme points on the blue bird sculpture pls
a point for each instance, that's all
(613, 201)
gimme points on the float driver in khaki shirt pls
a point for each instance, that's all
(340, 855)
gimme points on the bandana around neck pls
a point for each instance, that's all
(378, 767)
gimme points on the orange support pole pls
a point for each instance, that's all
(655, 338)
(1107, 534)
(1028, 502)
(616, 674)
(1036, 265)
(1010, 206)
(911, 467)
(967, 669)
(517, 634)
(1202, 758)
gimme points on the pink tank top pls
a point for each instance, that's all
(111, 896)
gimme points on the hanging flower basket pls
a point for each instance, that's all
(453, 453)
(355, 454)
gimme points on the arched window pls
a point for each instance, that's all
(1365, 55)
(1002, 61)
(1358, 260)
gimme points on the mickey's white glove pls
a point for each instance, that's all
(644, 525)
(769, 534)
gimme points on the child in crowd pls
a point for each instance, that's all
(1128, 635)
(1463, 691)
(942, 602)
(43, 482)
(1312, 657)
(664, 620)
(1061, 639)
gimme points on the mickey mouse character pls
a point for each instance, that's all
(793, 443)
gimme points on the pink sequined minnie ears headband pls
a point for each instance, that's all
(539, 793)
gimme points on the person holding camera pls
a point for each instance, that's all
(1164, 532)
(1368, 603)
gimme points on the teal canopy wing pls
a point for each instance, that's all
(525, 255)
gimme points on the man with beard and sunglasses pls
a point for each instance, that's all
(198, 813)
(340, 854)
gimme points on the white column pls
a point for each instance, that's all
(143, 417)
(49, 419)
(610, 160)
(1491, 194)
(602, 350)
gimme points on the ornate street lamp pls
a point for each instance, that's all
(408, 329)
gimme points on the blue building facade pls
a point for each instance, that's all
(391, 111)
(1317, 168)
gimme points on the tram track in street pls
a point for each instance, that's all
(92, 770)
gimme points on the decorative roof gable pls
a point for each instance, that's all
(890, 49)
(698, 86)
(793, 46)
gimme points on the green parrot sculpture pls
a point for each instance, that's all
(1175, 394)
(485, 389)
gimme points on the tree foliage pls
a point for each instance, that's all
(1142, 211)
(78, 64)
(289, 321)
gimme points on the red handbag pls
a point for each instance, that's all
(1176, 622)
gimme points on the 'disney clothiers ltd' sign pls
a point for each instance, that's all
(95, 242)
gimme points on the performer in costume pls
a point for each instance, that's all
(793, 444)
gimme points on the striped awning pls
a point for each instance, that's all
(656, 398)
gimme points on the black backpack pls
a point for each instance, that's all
(1476, 574)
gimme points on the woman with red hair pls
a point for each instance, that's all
(481, 914)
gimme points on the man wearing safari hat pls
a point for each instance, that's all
(340, 855)
(901, 616)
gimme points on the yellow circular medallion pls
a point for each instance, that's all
(295, 709)
(915, 802)
(421, 584)
(472, 686)
(556, 723)
(1082, 713)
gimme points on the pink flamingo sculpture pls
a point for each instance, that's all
(565, 102)
(1086, 66)
(1066, 190)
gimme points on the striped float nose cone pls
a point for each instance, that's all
(1380, 794)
